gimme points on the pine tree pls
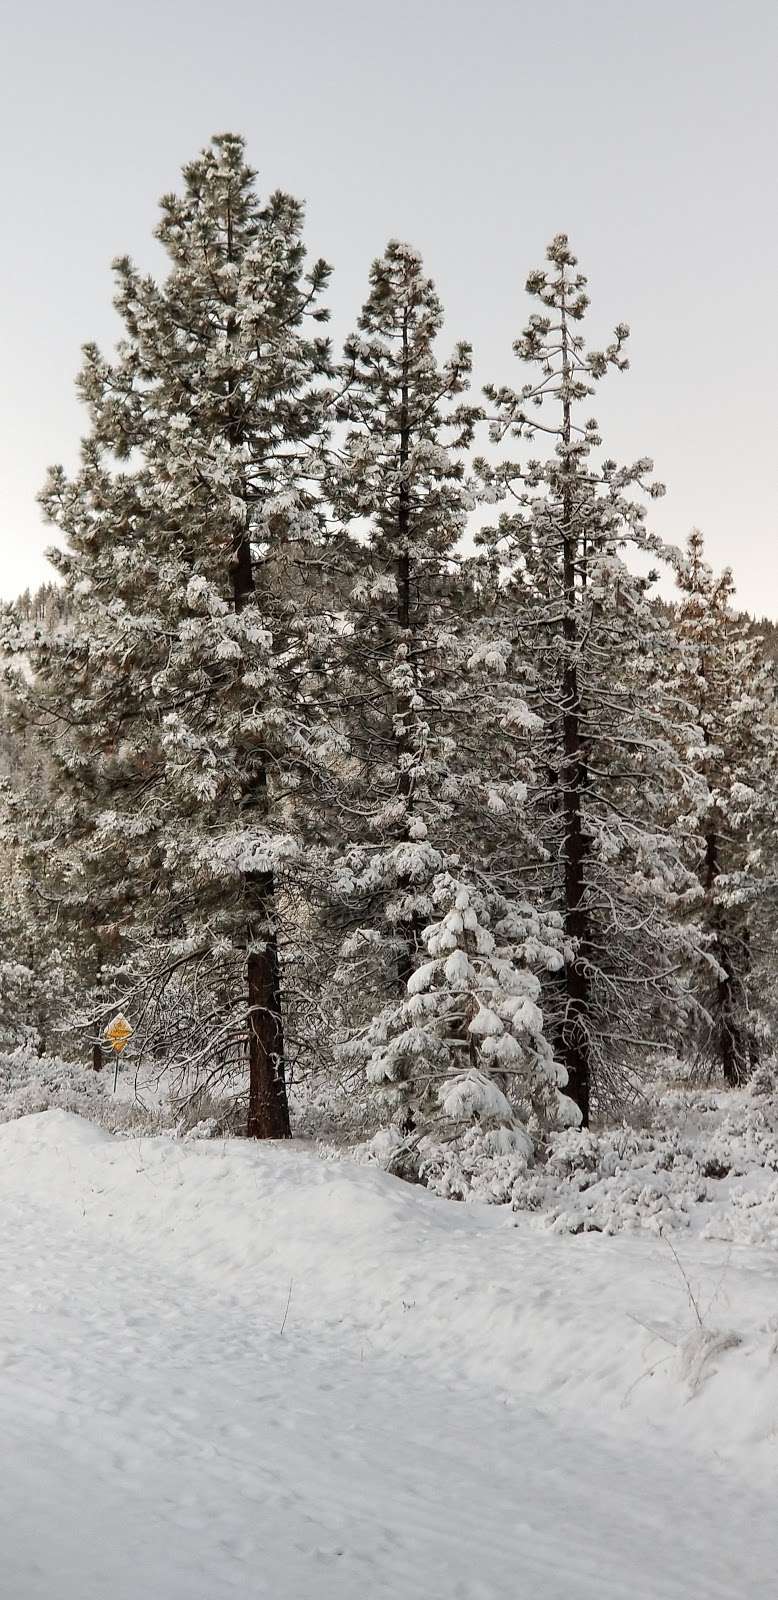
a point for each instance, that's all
(39, 981)
(589, 648)
(465, 1047)
(726, 821)
(398, 489)
(435, 785)
(74, 888)
(179, 702)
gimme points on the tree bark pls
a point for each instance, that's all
(574, 1033)
(731, 1046)
(268, 1116)
(268, 1113)
(412, 931)
(730, 1036)
(575, 1036)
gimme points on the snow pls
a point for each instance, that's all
(239, 1370)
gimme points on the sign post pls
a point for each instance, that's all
(118, 1033)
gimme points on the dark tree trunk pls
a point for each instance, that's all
(96, 940)
(730, 1042)
(730, 1035)
(411, 933)
(574, 1033)
(752, 1041)
(268, 1114)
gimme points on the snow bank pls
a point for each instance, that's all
(631, 1329)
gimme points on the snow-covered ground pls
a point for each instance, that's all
(230, 1370)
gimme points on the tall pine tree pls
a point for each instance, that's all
(589, 648)
(179, 702)
(398, 491)
(726, 821)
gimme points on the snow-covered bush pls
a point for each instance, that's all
(29, 1083)
(708, 1160)
(16, 982)
(486, 1166)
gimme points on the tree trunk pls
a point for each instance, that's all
(268, 1116)
(98, 1057)
(403, 706)
(574, 1033)
(752, 1041)
(575, 1036)
(268, 1113)
(730, 1036)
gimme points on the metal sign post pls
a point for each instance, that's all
(118, 1033)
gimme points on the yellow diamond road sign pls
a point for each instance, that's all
(118, 1032)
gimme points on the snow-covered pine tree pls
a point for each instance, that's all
(179, 698)
(17, 971)
(398, 489)
(435, 783)
(40, 991)
(77, 880)
(590, 647)
(726, 822)
(465, 1049)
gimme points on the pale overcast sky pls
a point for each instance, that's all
(645, 131)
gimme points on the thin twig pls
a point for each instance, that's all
(286, 1307)
(682, 1270)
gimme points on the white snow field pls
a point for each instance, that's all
(238, 1370)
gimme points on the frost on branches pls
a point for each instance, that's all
(298, 776)
(178, 705)
(590, 646)
(726, 818)
(463, 1053)
(434, 783)
(397, 485)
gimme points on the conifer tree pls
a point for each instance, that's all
(398, 489)
(726, 821)
(179, 701)
(39, 988)
(590, 648)
(465, 1047)
(435, 785)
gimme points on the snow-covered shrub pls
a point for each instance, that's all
(334, 1107)
(574, 1150)
(710, 1160)
(206, 1128)
(481, 1165)
(392, 1151)
(16, 981)
(30, 1083)
(763, 1079)
(35, 1083)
